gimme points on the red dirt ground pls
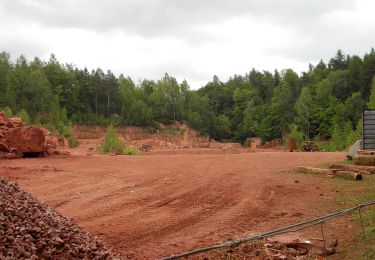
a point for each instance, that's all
(154, 206)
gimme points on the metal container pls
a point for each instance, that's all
(368, 132)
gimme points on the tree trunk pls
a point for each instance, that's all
(96, 104)
(354, 168)
(331, 172)
(108, 105)
(313, 170)
(349, 175)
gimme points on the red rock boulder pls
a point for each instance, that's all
(4, 147)
(26, 139)
(3, 119)
(11, 156)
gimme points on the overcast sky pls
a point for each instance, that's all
(189, 39)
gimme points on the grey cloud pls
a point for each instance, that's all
(15, 48)
(158, 17)
(321, 40)
(309, 36)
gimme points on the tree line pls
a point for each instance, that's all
(324, 102)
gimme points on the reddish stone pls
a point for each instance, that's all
(45, 130)
(66, 153)
(11, 156)
(10, 124)
(4, 147)
(3, 119)
(16, 120)
(27, 139)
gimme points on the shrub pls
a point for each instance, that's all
(296, 135)
(344, 137)
(131, 151)
(65, 131)
(8, 111)
(247, 142)
(69, 135)
(24, 116)
(115, 120)
(170, 131)
(111, 142)
(154, 127)
(101, 120)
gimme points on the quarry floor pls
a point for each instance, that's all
(147, 207)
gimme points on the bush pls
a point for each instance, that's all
(115, 120)
(354, 135)
(153, 128)
(68, 133)
(65, 131)
(296, 135)
(131, 151)
(111, 142)
(170, 131)
(101, 120)
(8, 111)
(247, 142)
(24, 116)
(344, 137)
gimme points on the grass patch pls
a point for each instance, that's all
(131, 151)
(354, 193)
(351, 194)
(369, 253)
(367, 236)
(367, 216)
(326, 164)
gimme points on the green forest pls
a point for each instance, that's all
(323, 103)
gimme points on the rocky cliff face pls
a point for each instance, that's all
(97, 132)
(183, 136)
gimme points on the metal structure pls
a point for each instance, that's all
(291, 228)
(368, 132)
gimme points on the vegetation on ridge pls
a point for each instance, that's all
(325, 102)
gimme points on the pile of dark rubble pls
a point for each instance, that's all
(276, 250)
(145, 148)
(309, 146)
(32, 230)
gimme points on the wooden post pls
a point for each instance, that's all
(354, 168)
(349, 175)
(313, 170)
(331, 172)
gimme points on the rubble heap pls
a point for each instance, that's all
(18, 140)
(32, 230)
(271, 250)
(309, 146)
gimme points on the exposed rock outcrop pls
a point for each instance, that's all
(18, 140)
(27, 139)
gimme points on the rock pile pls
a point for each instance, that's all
(270, 250)
(32, 230)
(145, 148)
(18, 140)
(309, 146)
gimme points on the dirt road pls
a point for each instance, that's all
(154, 206)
